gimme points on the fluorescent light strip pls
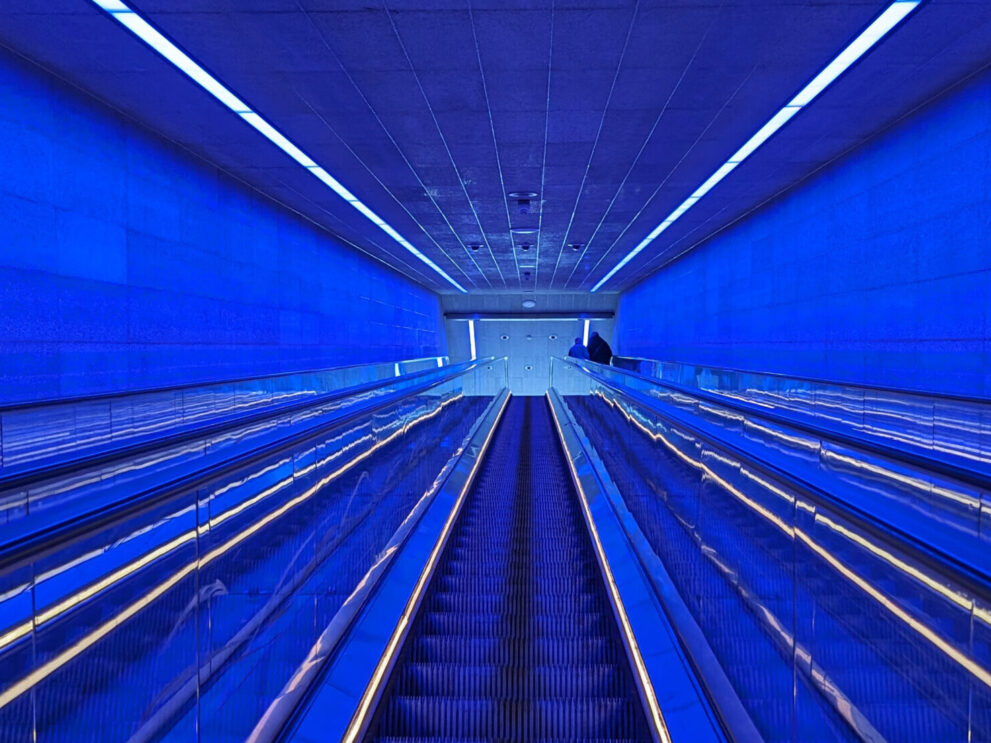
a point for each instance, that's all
(471, 338)
(585, 333)
(157, 41)
(891, 17)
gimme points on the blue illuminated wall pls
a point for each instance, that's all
(124, 263)
(878, 271)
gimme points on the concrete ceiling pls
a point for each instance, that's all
(431, 111)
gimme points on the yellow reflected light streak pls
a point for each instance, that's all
(656, 715)
(46, 669)
(923, 630)
(974, 668)
(360, 718)
(91, 590)
(958, 598)
(913, 482)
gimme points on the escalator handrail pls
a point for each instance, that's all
(817, 380)
(27, 475)
(286, 711)
(75, 399)
(57, 536)
(916, 456)
(972, 577)
(733, 720)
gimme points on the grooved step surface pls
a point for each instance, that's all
(515, 640)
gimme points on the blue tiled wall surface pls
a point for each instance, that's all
(877, 271)
(124, 263)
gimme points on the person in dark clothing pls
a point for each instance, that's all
(598, 350)
(578, 351)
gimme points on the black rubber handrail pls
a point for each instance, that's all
(974, 579)
(74, 399)
(33, 472)
(31, 546)
(917, 456)
(816, 380)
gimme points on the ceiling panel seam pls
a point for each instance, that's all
(392, 139)
(668, 175)
(595, 142)
(450, 156)
(543, 155)
(643, 146)
(495, 143)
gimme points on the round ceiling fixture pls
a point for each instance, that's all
(552, 337)
(529, 304)
(575, 246)
(523, 231)
(504, 337)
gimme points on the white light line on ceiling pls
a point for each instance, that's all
(495, 146)
(636, 159)
(319, 31)
(450, 156)
(145, 31)
(882, 25)
(674, 169)
(595, 142)
(395, 256)
(406, 263)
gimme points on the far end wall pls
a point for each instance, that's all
(528, 345)
(877, 272)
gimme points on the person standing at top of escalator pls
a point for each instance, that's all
(578, 351)
(598, 350)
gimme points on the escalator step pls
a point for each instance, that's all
(456, 680)
(516, 639)
(487, 718)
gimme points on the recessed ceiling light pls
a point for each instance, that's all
(136, 24)
(891, 17)
(529, 304)
(523, 231)
(522, 200)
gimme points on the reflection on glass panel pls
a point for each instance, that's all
(826, 630)
(944, 425)
(184, 618)
(43, 433)
(943, 510)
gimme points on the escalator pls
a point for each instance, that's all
(516, 639)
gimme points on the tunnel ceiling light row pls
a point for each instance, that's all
(891, 17)
(144, 30)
